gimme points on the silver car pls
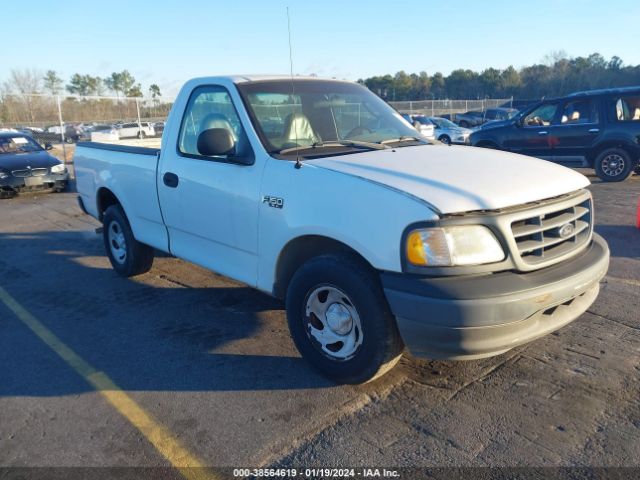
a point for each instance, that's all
(448, 132)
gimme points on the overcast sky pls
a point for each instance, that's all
(167, 41)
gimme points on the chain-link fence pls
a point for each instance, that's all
(436, 108)
(63, 120)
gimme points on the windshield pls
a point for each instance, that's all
(18, 144)
(318, 114)
(443, 122)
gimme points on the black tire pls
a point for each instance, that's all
(464, 124)
(445, 139)
(613, 165)
(137, 258)
(141, 135)
(380, 345)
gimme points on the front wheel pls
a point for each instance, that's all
(613, 165)
(141, 135)
(128, 257)
(340, 321)
(445, 139)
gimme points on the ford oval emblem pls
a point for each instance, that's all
(566, 230)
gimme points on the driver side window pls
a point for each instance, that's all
(210, 107)
(541, 116)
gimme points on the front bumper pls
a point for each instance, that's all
(471, 317)
(12, 185)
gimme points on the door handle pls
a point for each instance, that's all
(170, 179)
(594, 130)
(544, 132)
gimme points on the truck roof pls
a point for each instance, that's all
(262, 78)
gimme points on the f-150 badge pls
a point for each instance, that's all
(274, 202)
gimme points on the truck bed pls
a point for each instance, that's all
(129, 173)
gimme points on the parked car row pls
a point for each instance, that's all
(439, 128)
(475, 118)
(74, 133)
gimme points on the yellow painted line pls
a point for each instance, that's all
(160, 437)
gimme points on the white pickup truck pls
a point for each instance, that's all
(317, 192)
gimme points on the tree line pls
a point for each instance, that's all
(121, 84)
(29, 110)
(557, 75)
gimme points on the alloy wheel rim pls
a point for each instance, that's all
(613, 165)
(332, 323)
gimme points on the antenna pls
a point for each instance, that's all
(293, 90)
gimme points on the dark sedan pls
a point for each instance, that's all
(26, 167)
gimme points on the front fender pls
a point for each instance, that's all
(367, 217)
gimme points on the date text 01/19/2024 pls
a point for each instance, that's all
(316, 472)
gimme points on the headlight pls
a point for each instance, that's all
(455, 245)
(60, 168)
(3, 175)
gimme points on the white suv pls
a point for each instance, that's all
(133, 129)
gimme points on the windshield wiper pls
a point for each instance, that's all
(335, 143)
(404, 138)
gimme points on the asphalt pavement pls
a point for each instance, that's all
(181, 363)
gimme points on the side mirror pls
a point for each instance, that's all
(48, 146)
(216, 142)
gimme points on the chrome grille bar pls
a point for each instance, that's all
(553, 233)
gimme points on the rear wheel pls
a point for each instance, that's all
(128, 257)
(613, 165)
(340, 321)
(141, 134)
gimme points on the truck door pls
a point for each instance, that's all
(210, 203)
(532, 134)
(577, 131)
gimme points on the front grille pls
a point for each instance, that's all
(30, 172)
(553, 233)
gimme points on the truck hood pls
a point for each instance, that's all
(459, 179)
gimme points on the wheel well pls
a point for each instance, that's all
(298, 251)
(104, 199)
(612, 144)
